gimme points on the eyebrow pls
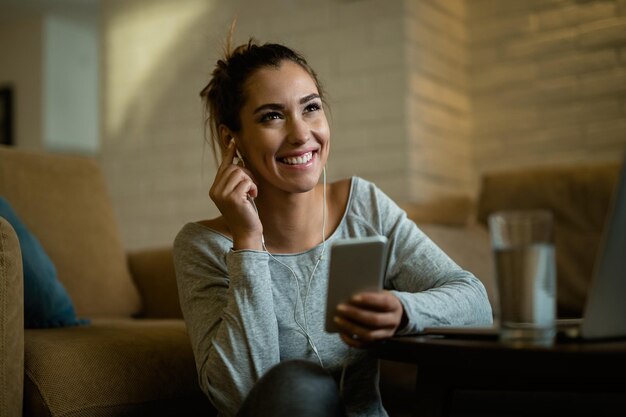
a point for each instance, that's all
(276, 106)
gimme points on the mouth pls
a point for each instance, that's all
(303, 159)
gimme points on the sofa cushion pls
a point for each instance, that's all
(64, 202)
(579, 198)
(11, 322)
(46, 303)
(153, 272)
(112, 368)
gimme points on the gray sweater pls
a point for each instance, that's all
(239, 305)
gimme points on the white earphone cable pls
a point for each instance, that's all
(304, 329)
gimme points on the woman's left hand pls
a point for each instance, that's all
(368, 317)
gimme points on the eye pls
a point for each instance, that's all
(312, 107)
(273, 115)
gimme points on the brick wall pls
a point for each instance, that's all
(438, 102)
(547, 81)
(157, 55)
(425, 94)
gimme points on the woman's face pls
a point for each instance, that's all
(284, 135)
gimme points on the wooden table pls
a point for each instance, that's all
(484, 377)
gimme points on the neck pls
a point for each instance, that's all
(291, 222)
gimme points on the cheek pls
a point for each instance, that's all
(321, 129)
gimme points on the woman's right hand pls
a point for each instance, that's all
(230, 190)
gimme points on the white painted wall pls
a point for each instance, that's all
(52, 61)
(71, 84)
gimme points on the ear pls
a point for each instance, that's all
(226, 135)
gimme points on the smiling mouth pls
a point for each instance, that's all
(297, 160)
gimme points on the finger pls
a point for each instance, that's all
(235, 173)
(363, 335)
(249, 174)
(368, 318)
(367, 338)
(253, 191)
(222, 183)
(246, 188)
(233, 176)
(353, 341)
(356, 331)
(379, 301)
(228, 157)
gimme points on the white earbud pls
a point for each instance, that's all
(239, 157)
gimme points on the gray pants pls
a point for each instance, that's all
(294, 388)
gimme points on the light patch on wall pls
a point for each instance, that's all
(137, 42)
(70, 74)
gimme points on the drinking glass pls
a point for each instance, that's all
(524, 255)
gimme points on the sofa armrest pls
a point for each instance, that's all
(11, 322)
(153, 273)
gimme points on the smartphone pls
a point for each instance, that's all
(356, 265)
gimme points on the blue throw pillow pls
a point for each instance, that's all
(46, 302)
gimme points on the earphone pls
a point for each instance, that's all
(303, 301)
(239, 157)
(303, 328)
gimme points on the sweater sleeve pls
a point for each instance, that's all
(226, 300)
(433, 289)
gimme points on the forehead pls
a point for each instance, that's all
(280, 84)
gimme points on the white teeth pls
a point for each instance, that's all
(298, 160)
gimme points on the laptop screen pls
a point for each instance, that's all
(605, 309)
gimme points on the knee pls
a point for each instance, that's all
(300, 376)
(294, 388)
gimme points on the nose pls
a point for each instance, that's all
(299, 131)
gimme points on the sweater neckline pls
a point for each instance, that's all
(328, 239)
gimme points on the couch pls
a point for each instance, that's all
(134, 358)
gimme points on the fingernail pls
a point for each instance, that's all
(336, 319)
(342, 307)
(357, 298)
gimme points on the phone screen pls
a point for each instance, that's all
(356, 265)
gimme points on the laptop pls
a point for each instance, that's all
(604, 316)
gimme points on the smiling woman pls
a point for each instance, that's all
(253, 282)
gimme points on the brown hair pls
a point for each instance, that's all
(223, 97)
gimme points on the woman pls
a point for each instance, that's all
(253, 281)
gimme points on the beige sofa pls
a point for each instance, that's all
(135, 357)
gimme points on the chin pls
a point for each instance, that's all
(301, 185)
(299, 178)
